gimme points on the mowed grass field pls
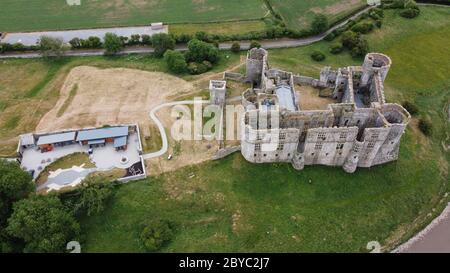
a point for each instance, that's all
(232, 205)
(299, 14)
(33, 15)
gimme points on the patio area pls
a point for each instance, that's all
(104, 157)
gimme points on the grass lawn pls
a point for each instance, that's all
(25, 15)
(66, 162)
(224, 28)
(232, 205)
(299, 14)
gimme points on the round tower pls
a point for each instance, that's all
(375, 62)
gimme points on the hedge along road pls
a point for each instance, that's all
(245, 45)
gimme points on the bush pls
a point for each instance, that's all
(330, 37)
(155, 234)
(360, 49)
(364, 27)
(135, 39)
(94, 42)
(410, 107)
(146, 39)
(376, 13)
(50, 46)
(350, 39)
(235, 47)
(175, 61)
(410, 13)
(182, 38)
(426, 127)
(318, 56)
(202, 36)
(336, 48)
(378, 23)
(255, 44)
(319, 24)
(113, 44)
(197, 68)
(200, 51)
(76, 43)
(162, 42)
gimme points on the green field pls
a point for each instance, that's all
(232, 205)
(188, 16)
(299, 14)
(33, 15)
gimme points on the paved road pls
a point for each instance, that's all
(32, 38)
(245, 45)
(434, 238)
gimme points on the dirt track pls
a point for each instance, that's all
(110, 96)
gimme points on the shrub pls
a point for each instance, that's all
(319, 24)
(360, 49)
(182, 38)
(175, 61)
(426, 127)
(235, 47)
(146, 39)
(376, 13)
(378, 23)
(410, 13)
(364, 27)
(197, 68)
(113, 44)
(255, 44)
(50, 46)
(20, 47)
(350, 39)
(155, 234)
(94, 42)
(208, 65)
(200, 51)
(76, 43)
(135, 39)
(330, 37)
(162, 42)
(202, 36)
(410, 107)
(336, 48)
(318, 56)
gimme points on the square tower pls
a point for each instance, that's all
(217, 92)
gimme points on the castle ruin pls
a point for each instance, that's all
(358, 130)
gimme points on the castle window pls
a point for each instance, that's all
(346, 123)
(321, 136)
(280, 147)
(375, 135)
(318, 146)
(371, 145)
(339, 146)
(258, 136)
(258, 147)
(282, 136)
(343, 135)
